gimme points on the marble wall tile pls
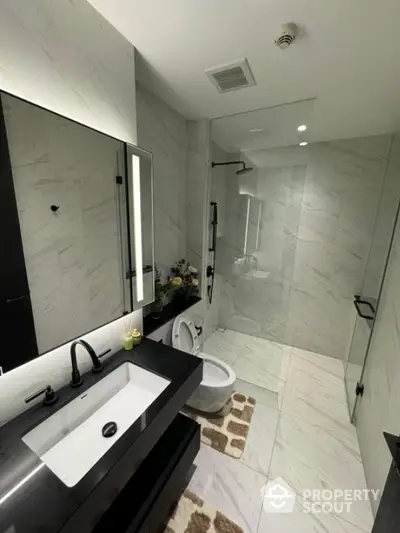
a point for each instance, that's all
(198, 190)
(378, 409)
(317, 226)
(47, 59)
(163, 132)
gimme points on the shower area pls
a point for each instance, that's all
(300, 233)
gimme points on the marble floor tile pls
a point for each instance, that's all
(307, 456)
(262, 396)
(258, 361)
(260, 441)
(315, 392)
(229, 486)
(264, 363)
(222, 344)
(300, 522)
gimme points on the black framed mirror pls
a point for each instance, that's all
(68, 202)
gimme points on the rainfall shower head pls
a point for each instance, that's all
(244, 170)
(240, 172)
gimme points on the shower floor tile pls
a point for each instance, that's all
(257, 361)
(301, 433)
(260, 442)
(223, 345)
(310, 457)
(315, 392)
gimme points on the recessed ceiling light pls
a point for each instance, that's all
(256, 130)
(303, 127)
(303, 143)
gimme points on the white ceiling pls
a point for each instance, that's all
(278, 124)
(347, 57)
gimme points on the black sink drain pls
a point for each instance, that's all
(109, 429)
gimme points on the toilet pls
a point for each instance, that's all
(218, 378)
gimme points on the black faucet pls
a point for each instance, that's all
(76, 380)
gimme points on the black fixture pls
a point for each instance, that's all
(54, 208)
(50, 396)
(213, 247)
(388, 515)
(76, 380)
(359, 389)
(109, 429)
(357, 301)
(244, 170)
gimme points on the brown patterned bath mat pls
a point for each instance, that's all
(192, 515)
(227, 430)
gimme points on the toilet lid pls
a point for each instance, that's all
(184, 335)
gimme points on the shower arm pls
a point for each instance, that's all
(229, 163)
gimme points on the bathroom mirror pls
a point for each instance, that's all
(78, 200)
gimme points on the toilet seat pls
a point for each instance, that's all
(184, 335)
(219, 378)
(216, 372)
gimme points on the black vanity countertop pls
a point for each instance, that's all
(151, 322)
(34, 499)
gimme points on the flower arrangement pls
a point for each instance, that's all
(184, 280)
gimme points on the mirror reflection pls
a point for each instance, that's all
(69, 183)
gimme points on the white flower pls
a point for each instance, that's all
(193, 269)
(195, 282)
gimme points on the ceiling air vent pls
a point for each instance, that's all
(233, 76)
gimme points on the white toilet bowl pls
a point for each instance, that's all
(218, 377)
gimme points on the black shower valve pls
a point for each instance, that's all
(210, 271)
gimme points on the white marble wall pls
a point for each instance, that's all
(64, 56)
(198, 195)
(162, 131)
(48, 59)
(378, 409)
(72, 257)
(340, 203)
(317, 224)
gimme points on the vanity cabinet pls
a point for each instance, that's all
(145, 503)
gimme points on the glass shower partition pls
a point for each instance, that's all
(367, 301)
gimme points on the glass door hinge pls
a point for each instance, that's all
(359, 389)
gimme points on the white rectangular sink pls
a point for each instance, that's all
(71, 441)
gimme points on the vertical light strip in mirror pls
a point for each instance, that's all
(246, 233)
(137, 217)
(258, 226)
